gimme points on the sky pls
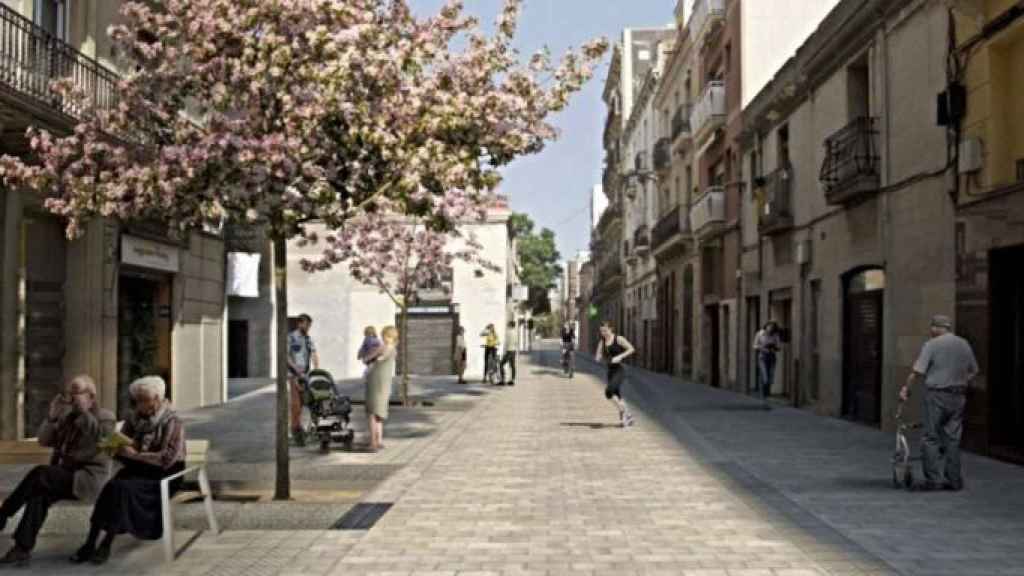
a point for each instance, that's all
(554, 186)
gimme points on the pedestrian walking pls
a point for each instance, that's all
(302, 357)
(613, 349)
(378, 385)
(511, 349)
(460, 354)
(767, 343)
(131, 502)
(947, 365)
(77, 470)
(491, 342)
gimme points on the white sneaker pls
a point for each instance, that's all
(627, 420)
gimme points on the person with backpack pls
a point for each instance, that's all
(613, 349)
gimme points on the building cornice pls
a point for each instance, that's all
(845, 31)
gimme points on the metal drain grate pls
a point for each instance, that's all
(362, 516)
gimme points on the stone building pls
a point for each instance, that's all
(847, 225)
(984, 108)
(632, 58)
(123, 300)
(639, 199)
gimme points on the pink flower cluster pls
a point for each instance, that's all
(280, 112)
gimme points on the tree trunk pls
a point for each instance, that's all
(282, 485)
(404, 348)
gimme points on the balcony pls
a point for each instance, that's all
(663, 155)
(609, 270)
(642, 241)
(706, 17)
(851, 167)
(32, 58)
(709, 113)
(681, 124)
(671, 231)
(708, 213)
(775, 212)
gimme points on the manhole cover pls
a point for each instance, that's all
(362, 516)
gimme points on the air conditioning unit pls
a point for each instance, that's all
(803, 252)
(970, 153)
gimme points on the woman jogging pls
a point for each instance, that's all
(614, 349)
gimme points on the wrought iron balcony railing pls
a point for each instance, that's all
(31, 59)
(671, 228)
(681, 122)
(775, 213)
(642, 240)
(851, 167)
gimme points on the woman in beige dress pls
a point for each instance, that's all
(378, 385)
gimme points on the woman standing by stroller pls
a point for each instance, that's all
(614, 349)
(378, 385)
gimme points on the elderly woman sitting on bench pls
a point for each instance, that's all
(130, 502)
(73, 428)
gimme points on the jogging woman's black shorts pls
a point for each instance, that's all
(616, 376)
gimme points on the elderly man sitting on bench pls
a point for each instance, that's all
(77, 469)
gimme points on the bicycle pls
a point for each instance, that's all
(491, 374)
(568, 361)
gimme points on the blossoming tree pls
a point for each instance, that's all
(275, 113)
(400, 256)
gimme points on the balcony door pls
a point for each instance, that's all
(52, 16)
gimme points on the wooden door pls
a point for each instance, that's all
(45, 272)
(430, 341)
(862, 365)
(1006, 380)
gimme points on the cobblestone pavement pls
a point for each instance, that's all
(539, 479)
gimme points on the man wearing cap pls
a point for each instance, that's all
(947, 365)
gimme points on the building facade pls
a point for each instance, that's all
(847, 231)
(632, 59)
(470, 297)
(123, 300)
(985, 95)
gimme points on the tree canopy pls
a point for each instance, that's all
(538, 261)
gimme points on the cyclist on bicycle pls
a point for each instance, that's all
(568, 339)
(490, 336)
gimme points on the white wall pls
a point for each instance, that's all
(342, 307)
(771, 33)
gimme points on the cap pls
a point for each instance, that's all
(940, 321)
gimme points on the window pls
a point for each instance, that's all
(858, 89)
(52, 16)
(783, 145)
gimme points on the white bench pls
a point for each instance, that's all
(195, 462)
(30, 452)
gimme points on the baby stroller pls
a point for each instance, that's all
(329, 411)
(902, 462)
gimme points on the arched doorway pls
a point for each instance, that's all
(864, 291)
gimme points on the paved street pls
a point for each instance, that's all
(539, 479)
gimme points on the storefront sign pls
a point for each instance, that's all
(149, 254)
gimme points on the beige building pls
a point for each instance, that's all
(640, 204)
(985, 108)
(847, 227)
(123, 300)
